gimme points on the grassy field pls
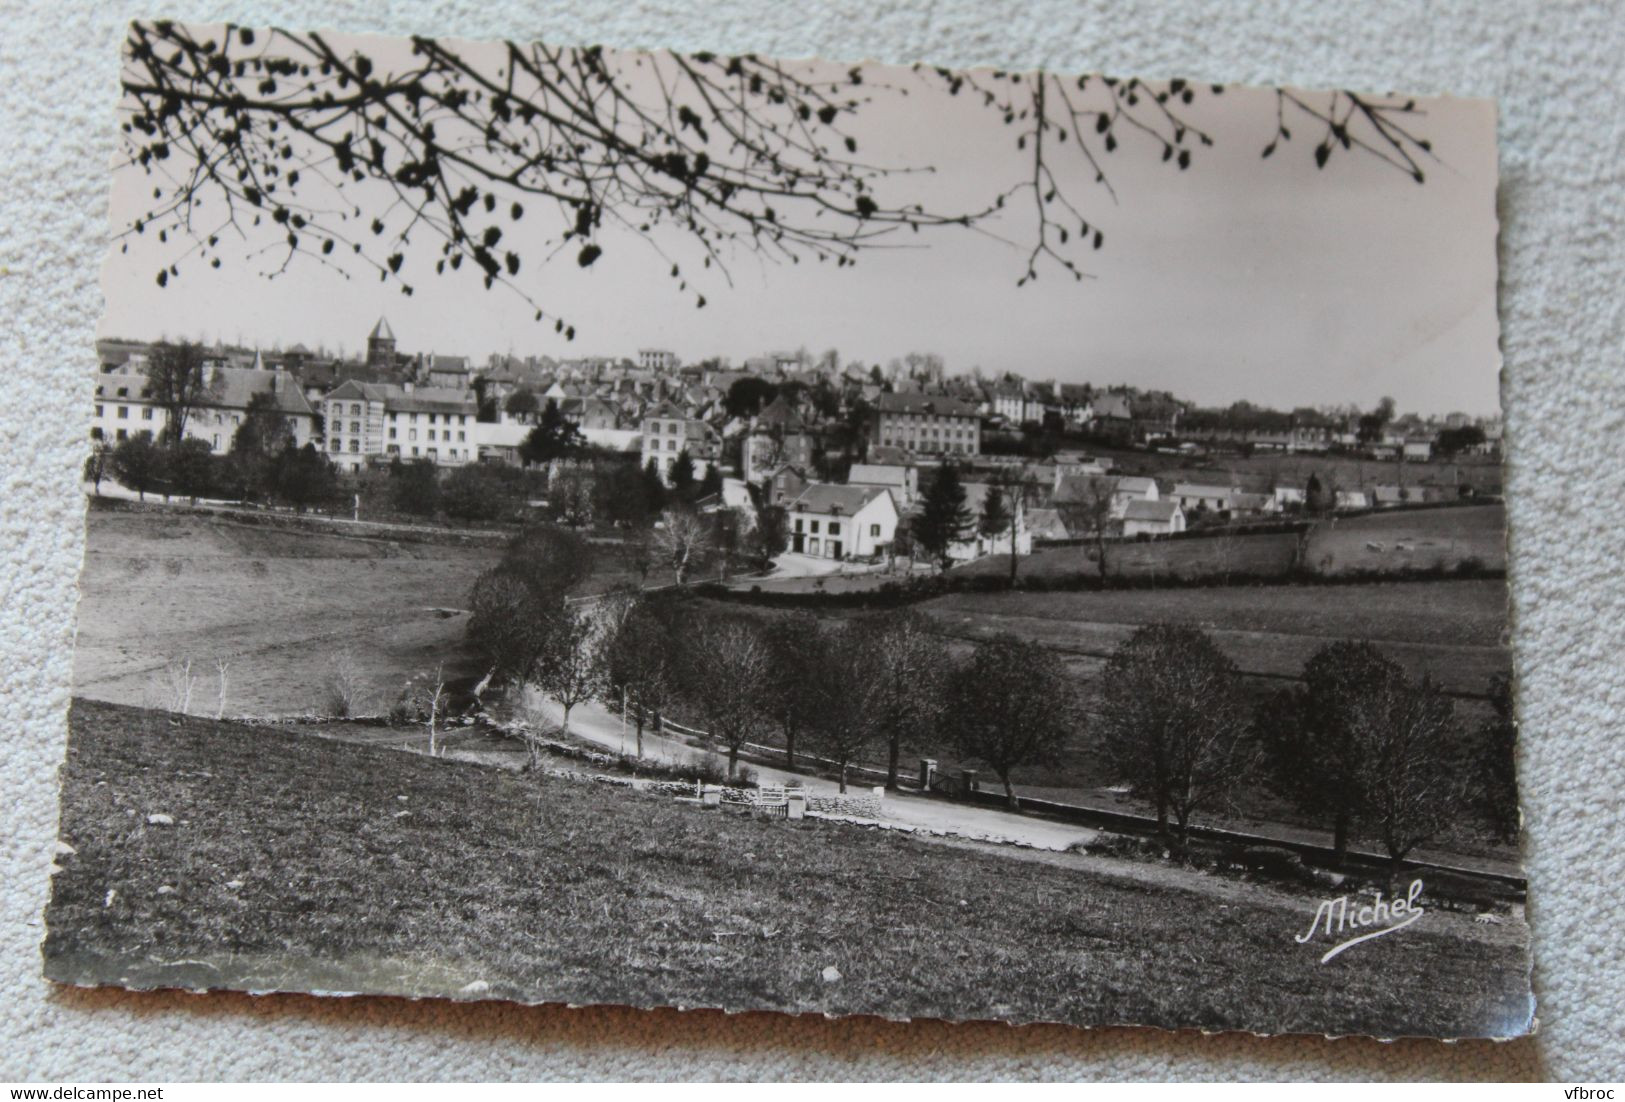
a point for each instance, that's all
(1412, 539)
(298, 864)
(278, 601)
(1348, 472)
(1453, 630)
(278, 605)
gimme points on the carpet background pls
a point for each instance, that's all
(1556, 69)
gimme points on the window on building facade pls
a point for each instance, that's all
(874, 531)
(355, 445)
(834, 528)
(123, 413)
(123, 434)
(146, 413)
(355, 409)
(355, 426)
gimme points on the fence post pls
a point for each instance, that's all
(928, 773)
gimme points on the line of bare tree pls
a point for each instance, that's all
(1359, 745)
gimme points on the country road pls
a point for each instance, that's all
(597, 724)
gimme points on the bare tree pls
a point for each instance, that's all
(641, 660)
(1012, 706)
(569, 667)
(573, 494)
(179, 382)
(787, 698)
(680, 539)
(838, 665)
(1173, 723)
(1226, 547)
(912, 667)
(728, 669)
(277, 138)
(1092, 510)
(175, 684)
(1313, 737)
(1020, 493)
(1413, 777)
(96, 464)
(347, 690)
(425, 696)
(221, 666)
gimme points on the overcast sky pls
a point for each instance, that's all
(1243, 277)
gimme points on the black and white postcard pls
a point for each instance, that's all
(584, 526)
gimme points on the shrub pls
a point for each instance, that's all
(473, 493)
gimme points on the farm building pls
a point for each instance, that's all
(1154, 518)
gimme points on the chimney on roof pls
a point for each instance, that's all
(407, 386)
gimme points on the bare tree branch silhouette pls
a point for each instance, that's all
(266, 139)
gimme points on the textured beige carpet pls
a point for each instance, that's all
(1557, 71)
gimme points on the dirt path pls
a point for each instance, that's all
(595, 723)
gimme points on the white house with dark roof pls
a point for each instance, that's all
(842, 522)
(1156, 518)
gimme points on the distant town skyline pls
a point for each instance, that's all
(1245, 277)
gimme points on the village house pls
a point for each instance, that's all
(368, 421)
(1046, 525)
(926, 424)
(1082, 490)
(776, 435)
(975, 545)
(1193, 495)
(447, 372)
(903, 481)
(124, 406)
(668, 432)
(1287, 498)
(842, 522)
(785, 485)
(1153, 518)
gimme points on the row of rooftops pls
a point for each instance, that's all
(700, 388)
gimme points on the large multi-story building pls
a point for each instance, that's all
(125, 405)
(658, 359)
(926, 424)
(366, 421)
